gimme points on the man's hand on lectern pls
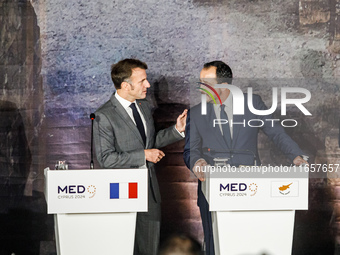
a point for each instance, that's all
(299, 161)
(198, 169)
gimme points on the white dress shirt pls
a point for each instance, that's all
(126, 105)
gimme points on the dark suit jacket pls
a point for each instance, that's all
(205, 141)
(118, 143)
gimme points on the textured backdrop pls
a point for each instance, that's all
(55, 59)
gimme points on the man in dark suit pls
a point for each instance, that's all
(124, 136)
(204, 142)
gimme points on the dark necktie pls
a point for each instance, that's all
(139, 122)
(225, 127)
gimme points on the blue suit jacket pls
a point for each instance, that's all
(202, 140)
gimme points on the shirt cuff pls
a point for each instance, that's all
(181, 133)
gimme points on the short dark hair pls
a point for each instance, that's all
(123, 70)
(223, 71)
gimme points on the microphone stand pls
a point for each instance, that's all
(92, 117)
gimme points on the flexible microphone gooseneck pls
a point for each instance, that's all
(92, 117)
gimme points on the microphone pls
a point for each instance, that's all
(232, 151)
(92, 117)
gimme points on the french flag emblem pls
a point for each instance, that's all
(124, 190)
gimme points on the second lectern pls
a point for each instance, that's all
(253, 209)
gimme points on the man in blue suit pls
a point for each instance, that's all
(204, 141)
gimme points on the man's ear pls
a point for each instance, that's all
(125, 86)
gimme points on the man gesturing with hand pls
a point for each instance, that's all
(125, 137)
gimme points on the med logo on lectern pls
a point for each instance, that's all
(91, 189)
(76, 191)
(236, 189)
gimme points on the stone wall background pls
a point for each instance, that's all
(258, 39)
(24, 223)
(55, 61)
(20, 67)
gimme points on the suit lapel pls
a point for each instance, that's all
(119, 109)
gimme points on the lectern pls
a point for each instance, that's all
(95, 210)
(253, 208)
